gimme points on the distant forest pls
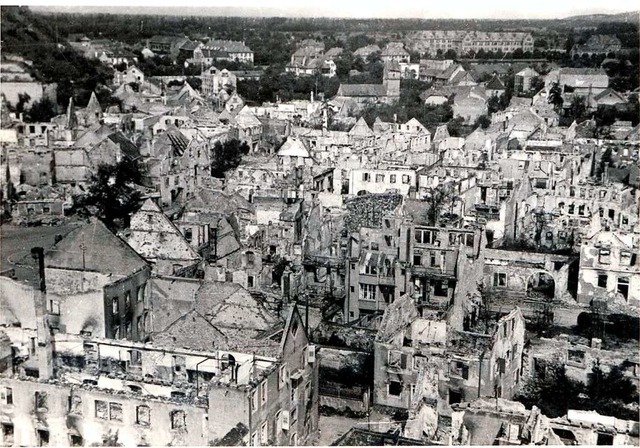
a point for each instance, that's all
(132, 28)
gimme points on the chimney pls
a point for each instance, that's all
(44, 352)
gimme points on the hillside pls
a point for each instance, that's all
(31, 36)
(625, 17)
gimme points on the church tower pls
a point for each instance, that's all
(391, 80)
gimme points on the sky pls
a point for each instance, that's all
(439, 9)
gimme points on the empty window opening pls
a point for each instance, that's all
(395, 388)
(143, 415)
(43, 437)
(455, 396)
(41, 401)
(178, 420)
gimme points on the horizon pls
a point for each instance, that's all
(335, 9)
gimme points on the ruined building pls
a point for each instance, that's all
(436, 266)
(425, 366)
(72, 390)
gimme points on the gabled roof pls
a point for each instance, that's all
(461, 76)
(361, 129)
(380, 126)
(294, 147)
(527, 72)
(127, 147)
(414, 122)
(200, 315)
(155, 237)
(94, 135)
(214, 53)
(191, 331)
(225, 115)
(214, 200)
(179, 142)
(333, 52)
(448, 72)
(94, 104)
(307, 51)
(610, 92)
(582, 71)
(246, 118)
(366, 50)
(441, 133)
(230, 306)
(103, 252)
(189, 45)
(230, 46)
(495, 84)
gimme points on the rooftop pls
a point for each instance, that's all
(95, 248)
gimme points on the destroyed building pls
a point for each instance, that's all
(177, 390)
(420, 360)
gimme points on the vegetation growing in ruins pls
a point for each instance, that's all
(227, 156)
(555, 393)
(437, 201)
(112, 193)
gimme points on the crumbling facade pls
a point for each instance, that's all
(421, 361)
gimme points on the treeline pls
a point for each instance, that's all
(131, 27)
(275, 84)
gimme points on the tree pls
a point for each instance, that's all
(450, 54)
(550, 389)
(112, 193)
(227, 156)
(121, 67)
(23, 100)
(609, 392)
(555, 96)
(358, 41)
(483, 121)
(194, 82)
(41, 111)
(493, 104)
(437, 200)
(455, 127)
(344, 63)
(414, 57)
(517, 53)
(374, 57)
(537, 83)
(578, 108)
